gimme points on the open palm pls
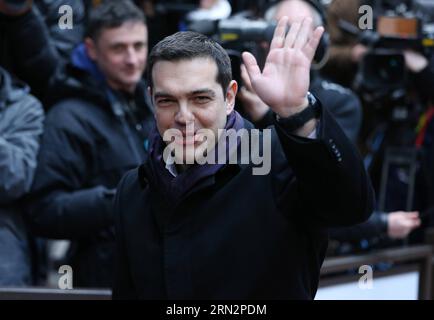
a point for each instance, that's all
(284, 81)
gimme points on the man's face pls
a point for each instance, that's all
(121, 53)
(186, 94)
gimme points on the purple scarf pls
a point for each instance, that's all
(175, 187)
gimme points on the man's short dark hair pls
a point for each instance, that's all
(189, 45)
(112, 14)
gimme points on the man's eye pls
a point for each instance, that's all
(139, 46)
(118, 49)
(164, 101)
(202, 99)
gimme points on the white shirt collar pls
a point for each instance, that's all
(172, 169)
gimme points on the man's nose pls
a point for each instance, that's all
(131, 56)
(184, 115)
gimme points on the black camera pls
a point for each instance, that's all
(236, 34)
(398, 25)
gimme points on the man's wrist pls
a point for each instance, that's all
(285, 113)
(265, 121)
(303, 122)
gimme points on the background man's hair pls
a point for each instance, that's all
(189, 45)
(112, 14)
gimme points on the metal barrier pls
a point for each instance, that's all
(406, 259)
(53, 294)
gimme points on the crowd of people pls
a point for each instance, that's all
(77, 112)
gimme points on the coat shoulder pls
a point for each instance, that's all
(130, 182)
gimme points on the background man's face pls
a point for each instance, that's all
(186, 93)
(121, 54)
(295, 10)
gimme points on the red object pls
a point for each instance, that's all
(429, 115)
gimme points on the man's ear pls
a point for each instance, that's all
(90, 48)
(231, 93)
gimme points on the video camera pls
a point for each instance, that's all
(398, 25)
(240, 32)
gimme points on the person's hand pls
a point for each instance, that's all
(15, 8)
(284, 82)
(400, 223)
(414, 61)
(357, 52)
(252, 104)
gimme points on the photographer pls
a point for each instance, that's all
(383, 228)
(21, 125)
(424, 78)
(345, 50)
(210, 10)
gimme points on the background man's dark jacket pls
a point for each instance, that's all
(33, 47)
(342, 103)
(239, 236)
(88, 144)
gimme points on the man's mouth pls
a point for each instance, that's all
(130, 71)
(187, 140)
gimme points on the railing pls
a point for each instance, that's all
(415, 258)
(53, 294)
(406, 259)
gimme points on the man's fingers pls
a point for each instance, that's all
(251, 66)
(279, 34)
(304, 34)
(411, 221)
(414, 223)
(413, 214)
(292, 35)
(312, 45)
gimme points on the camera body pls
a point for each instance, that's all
(399, 25)
(240, 32)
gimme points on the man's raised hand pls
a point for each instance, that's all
(284, 82)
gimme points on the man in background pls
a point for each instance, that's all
(96, 130)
